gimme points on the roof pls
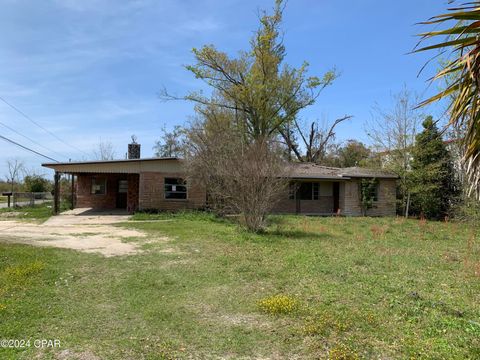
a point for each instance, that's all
(315, 171)
(125, 166)
(173, 164)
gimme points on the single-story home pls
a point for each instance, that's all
(159, 183)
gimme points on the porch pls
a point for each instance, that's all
(312, 197)
(102, 191)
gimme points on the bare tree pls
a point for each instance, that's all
(314, 139)
(246, 178)
(104, 151)
(393, 134)
(15, 168)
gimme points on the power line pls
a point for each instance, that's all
(26, 148)
(30, 139)
(40, 126)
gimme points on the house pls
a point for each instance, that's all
(158, 183)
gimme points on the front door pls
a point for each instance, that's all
(336, 196)
(122, 194)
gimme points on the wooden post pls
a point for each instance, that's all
(56, 198)
(72, 205)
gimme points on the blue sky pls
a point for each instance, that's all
(91, 70)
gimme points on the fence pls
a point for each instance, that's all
(20, 199)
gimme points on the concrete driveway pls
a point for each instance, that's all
(79, 229)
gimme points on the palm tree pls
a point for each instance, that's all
(462, 70)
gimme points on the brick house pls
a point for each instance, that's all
(158, 183)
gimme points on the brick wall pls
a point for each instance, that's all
(85, 199)
(324, 204)
(385, 206)
(152, 196)
(132, 193)
(146, 191)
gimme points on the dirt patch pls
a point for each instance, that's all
(71, 230)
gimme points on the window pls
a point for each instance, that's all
(315, 187)
(123, 186)
(291, 191)
(308, 191)
(175, 188)
(372, 188)
(375, 191)
(99, 186)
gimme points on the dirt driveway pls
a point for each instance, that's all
(79, 229)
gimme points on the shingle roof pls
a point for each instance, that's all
(315, 171)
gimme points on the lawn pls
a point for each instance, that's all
(338, 288)
(37, 213)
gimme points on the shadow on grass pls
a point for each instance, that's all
(297, 234)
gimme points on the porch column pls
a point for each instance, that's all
(56, 195)
(72, 205)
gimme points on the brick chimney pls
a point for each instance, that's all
(134, 149)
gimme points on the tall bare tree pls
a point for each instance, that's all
(309, 143)
(393, 132)
(104, 151)
(241, 177)
(15, 168)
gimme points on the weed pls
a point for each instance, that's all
(342, 352)
(378, 231)
(278, 304)
(324, 323)
(21, 272)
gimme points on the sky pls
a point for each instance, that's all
(91, 70)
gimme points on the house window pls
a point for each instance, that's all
(99, 186)
(308, 191)
(123, 186)
(315, 190)
(175, 188)
(374, 189)
(291, 191)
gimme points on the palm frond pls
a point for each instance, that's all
(464, 90)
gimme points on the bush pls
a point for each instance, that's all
(37, 183)
(278, 304)
(467, 210)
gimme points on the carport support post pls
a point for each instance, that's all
(56, 195)
(73, 190)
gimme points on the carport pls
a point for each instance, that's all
(100, 185)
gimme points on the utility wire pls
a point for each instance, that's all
(26, 148)
(40, 126)
(30, 139)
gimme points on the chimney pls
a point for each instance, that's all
(134, 149)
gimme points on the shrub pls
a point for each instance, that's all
(278, 304)
(467, 210)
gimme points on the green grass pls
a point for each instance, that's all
(353, 288)
(37, 213)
